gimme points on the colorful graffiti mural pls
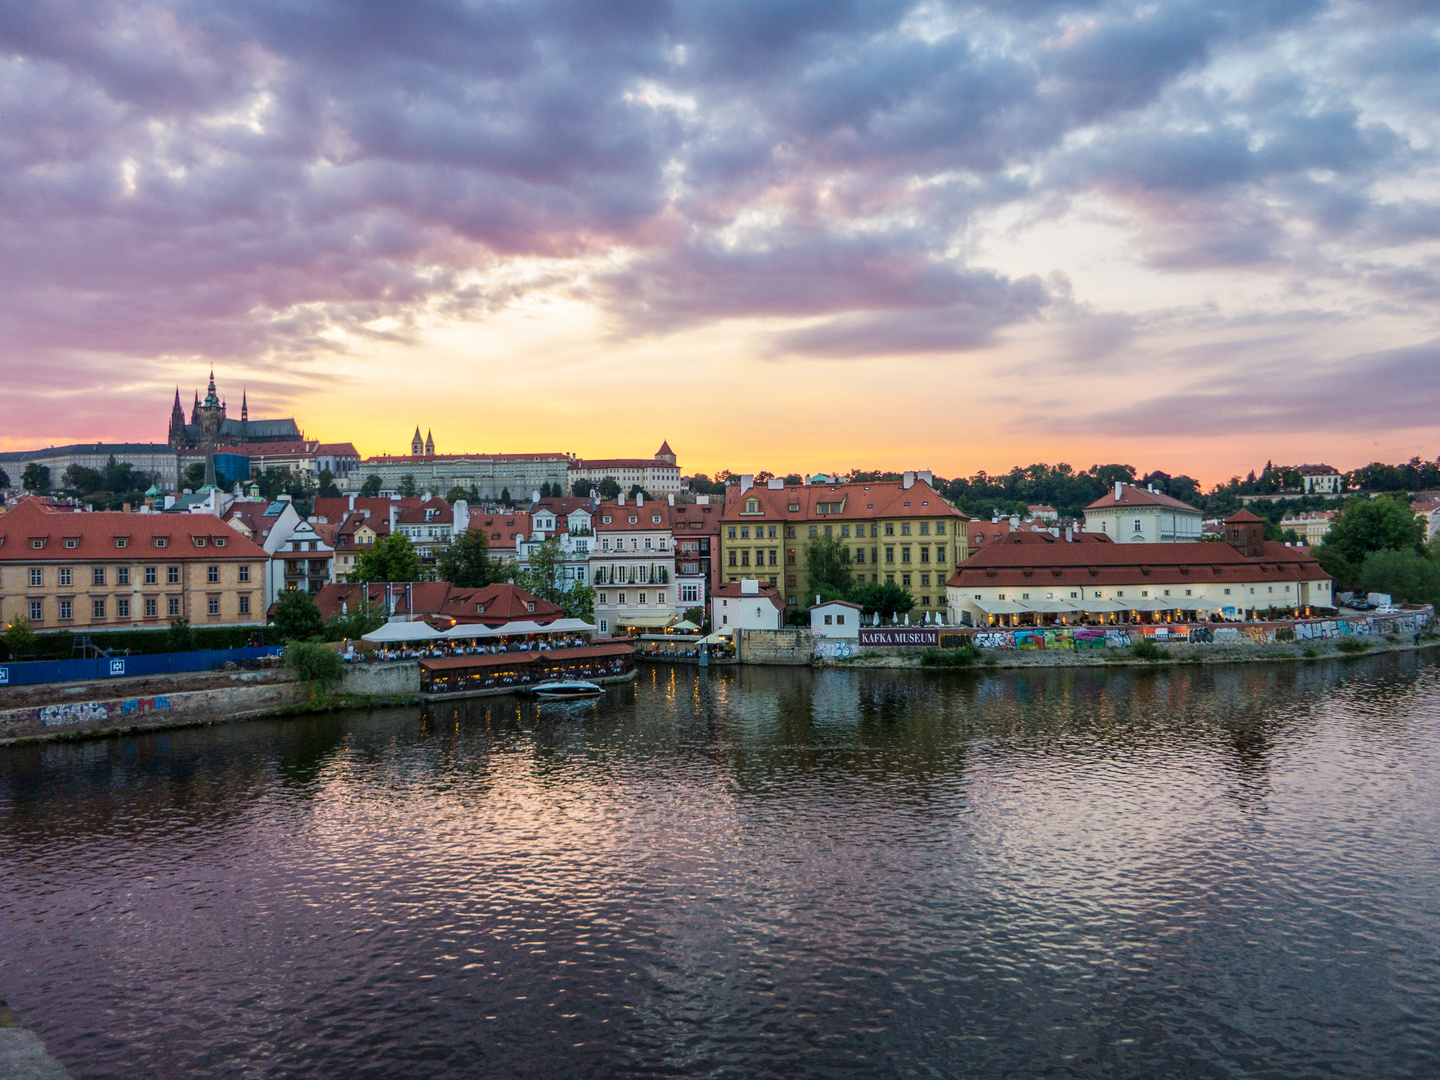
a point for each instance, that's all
(89, 712)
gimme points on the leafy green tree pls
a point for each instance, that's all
(355, 622)
(1405, 575)
(317, 664)
(636, 489)
(456, 494)
(1344, 573)
(885, 597)
(36, 478)
(392, 559)
(297, 617)
(609, 488)
(505, 495)
(19, 639)
(4, 480)
(1381, 524)
(827, 566)
(696, 615)
(371, 487)
(406, 487)
(194, 477)
(580, 489)
(81, 480)
(326, 488)
(180, 637)
(544, 577)
(467, 562)
(794, 480)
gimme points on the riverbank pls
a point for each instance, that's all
(1179, 653)
(22, 1055)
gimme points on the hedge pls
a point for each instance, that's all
(60, 643)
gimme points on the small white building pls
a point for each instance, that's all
(747, 604)
(1321, 479)
(838, 620)
(1142, 515)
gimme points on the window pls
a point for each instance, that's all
(789, 532)
(905, 553)
(730, 532)
(904, 528)
(172, 575)
(172, 606)
(37, 610)
(150, 575)
(161, 541)
(790, 557)
(814, 530)
(939, 528)
(71, 542)
(212, 605)
(66, 609)
(773, 554)
(620, 598)
(744, 532)
(1187, 592)
(905, 580)
(65, 577)
(600, 599)
(924, 528)
(604, 626)
(732, 558)
(828, 620)
(889, 554)
(151, 607)
(97, 609)
(220, 541)
(122, 607)
(940, 553)
(745, 558)
(844, 530)
(1137, 524)
(924, 554)
(1227, 592)
(689, 594)
(752, 506)
(199, 541)
(122, 541)
(244, 574)
(924, 581)
(37, 577)
(37, 543)
(860, 555)
(97, 575)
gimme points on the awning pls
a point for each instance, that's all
(714, 639)
(570, 626)
(1101, 607)
(1051, 606)
(1000, 607)
(645, 620)
(685, 626)
(402, 631)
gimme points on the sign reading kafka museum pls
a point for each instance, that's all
(899, 635)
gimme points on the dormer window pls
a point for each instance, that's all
(633, 519)
(71, 542)
(162, 541)
(37, 543)
(122, 541)
(219, 541)
(479, 609)
(752, 506)
(606, 519)
(199, 541)
(529, 605)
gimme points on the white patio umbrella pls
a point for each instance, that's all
(399, 632)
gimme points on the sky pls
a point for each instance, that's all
(793, 235)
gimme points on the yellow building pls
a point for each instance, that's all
(899, 531)
(112, 571)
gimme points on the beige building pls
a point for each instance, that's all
(1311, 525)
(111, 571)
(659, 475)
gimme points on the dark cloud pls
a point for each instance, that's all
(240, 180)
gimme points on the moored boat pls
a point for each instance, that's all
(566, 689)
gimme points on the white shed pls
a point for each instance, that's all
(836, 620)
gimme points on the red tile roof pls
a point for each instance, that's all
(1093, 565)
(644, 517)
(1243, 517)
(497, 604)
(186, 536)
(1130, 495)
(338, 449)
(503, 530)
(731, 590)
(623, 463)
(428, 597)
(880, 499)
(420, 459)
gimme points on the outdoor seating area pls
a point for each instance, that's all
(1140, 611)
(498, 673)
(685, 648)
(420, 641)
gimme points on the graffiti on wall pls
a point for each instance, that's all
(91, 712)
(834, 650)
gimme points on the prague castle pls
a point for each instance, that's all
(210, 427)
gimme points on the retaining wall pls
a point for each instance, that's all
(782, 647)
(377, 680)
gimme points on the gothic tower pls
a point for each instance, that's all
(212, 414)
(417, 445)
(244, 416)
(176, 436)
(429, 443)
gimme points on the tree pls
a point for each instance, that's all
(886, 597)
(355, 622)
(1342, 570)
(1382, 524)
(4, 480)
(326, 487)
(297, 617)
(580, 489)
(194, 477)
(794, 480)
(371, 487)
(1405, 575)
(391, 559)
(696, 615)
(609, 488)
(636, 489)
(467, 562)
(505, 495)
(316, 664)
(36, 478)
(545, 490)
(543, 576)
(456, 494)
(406, 487)
(827, 566)
(180, 637)
(19, 639)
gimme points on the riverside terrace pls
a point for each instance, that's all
(1036, 579)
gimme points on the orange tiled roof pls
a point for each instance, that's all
(95, 536)
(879, 499)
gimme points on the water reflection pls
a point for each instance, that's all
(760, 872)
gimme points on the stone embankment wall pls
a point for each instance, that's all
(792, 647)
(379, 680)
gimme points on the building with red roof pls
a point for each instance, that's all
(659, 475)
(1132, 514)
(111, 570)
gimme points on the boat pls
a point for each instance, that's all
(566, 690)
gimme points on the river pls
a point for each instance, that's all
(1182, 872)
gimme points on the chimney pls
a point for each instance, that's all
(749, 586)
(776, 483)
(1069, 535)
(817, 599)
(1014, 523)
(1150, 488)
(620, 499)
(747, 481)
(352, 502)
(702, 500)
(535, 495)
(393, 511)
(639, 498)
(908, 481)
(927, 476)
(670, 499)
(1118, 490)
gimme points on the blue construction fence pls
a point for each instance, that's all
(118, 667)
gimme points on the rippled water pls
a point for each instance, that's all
(1189, 873)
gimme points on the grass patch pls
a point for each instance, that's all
(1145, 649)
(1309, 653)
(961, 657)
(1353, 645)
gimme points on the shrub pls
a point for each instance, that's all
(1309, 653)
(180, 637)
(19, 639)
(962, 656)
(1353, 645)
(1145, 649)
(314, 662)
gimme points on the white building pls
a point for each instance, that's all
(838, 620)
(1321, 479)
(659, 475)
(1142, 515)
(632, 566)
(748, 604)
(573, 522)
(299, 557)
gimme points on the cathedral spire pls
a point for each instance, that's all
(244, 405)
(417, 444)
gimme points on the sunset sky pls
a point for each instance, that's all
(808, 235)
